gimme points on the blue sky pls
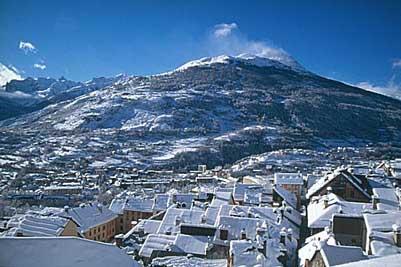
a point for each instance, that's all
(352, 41)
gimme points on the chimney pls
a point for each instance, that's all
(397, 235)
(329, 190)
(283, 236)
(177, 220)
(325, 201)
(66, 209)
(19, 234)
(243, 234)
(375, 200)
(119, 240)
(289, 234)
(203, 218)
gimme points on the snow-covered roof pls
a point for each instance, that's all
(286, 195)
(385, 192)
(332, 254)
(241, 189)
(177, 244)
(139, 204)
(319, 216)
(379, 229)
(292, 219)
(288, 178)
(147, 226)
(36, 225)
(89, 215)
(174, 217)
(386, 261)
(246, 253)
(60, 251)
(161, 202)
(335, 255)
(324, 181)
(221, 197)
(184, 261)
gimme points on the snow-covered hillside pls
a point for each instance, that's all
(216, 109)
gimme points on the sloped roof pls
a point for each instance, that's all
(60, 252)
(89, 215)
(387, 261)
(324, 181)
(319, 216)
(36, 225)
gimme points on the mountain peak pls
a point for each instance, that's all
(246, 58)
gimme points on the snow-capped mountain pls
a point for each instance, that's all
(31, 94)
(249, 59)
(218, 109)
(8, 74)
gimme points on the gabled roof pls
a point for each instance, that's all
(88, 215)
(332, 254)
(324, 181)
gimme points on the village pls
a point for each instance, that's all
(279, 209)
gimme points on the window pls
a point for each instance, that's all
(104, 227)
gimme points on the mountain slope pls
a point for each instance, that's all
(221, 109)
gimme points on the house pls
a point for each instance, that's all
(321, 210)
(243, 191)
(31, 224)
(382, 233)
(292, 182)
(322, 254)
(344, 184)
(60, 252)
(95, 221)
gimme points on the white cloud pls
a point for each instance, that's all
(391, 89)
(27, 47)
(224, 29)
(41, 66)
(397, 63)
(227, 39)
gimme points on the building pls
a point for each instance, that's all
(344, 184)
(292, 182)
(95, 221)
(321, 210)
(39, 225)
